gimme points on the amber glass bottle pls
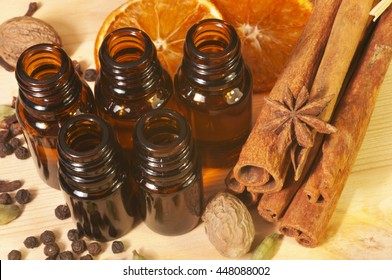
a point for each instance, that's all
(131, 81)
(167, 170)
(214, 91)
(50, 92)
(93, 178)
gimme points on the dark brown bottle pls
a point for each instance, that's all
(50, 92)
(93, 177)
(167, 171)
(213, 89)
(131, 81)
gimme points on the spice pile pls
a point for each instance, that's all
(52, 251)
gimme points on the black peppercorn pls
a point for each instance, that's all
(90, 75)
(117, 247)
(62, 212)
(5, 198)
(51, 250)
(86, 257)
(22, 196)
(94, 248)
(74, 234)
(47, 237)
(31, 242)
(14, 255)
(15, 142)
(22, 152)
(4, 133)
(78, 246)
(5, 149)
(66, 255)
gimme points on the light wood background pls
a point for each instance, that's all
(361, 227)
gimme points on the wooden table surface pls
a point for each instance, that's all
(361, 227)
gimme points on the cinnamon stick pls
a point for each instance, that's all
(272, 206)
(265, 157)
(347, 31)
(307, 221)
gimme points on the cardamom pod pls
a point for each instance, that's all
(5, 111)
(268, 247)
(8, 213)
(229, 225)
(137, 256)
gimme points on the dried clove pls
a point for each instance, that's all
(5, 199)
(15, 255)
(62, 212)
(47, 237)
(23, 196)
(117, 247)
(31, 242)
(10, 186)
(33, 7)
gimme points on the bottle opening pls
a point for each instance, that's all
(84, 136)
(43, 63)
(161, 131)
(126, 46)
(212, 36)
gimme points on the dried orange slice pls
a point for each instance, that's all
(268, 30)
(165, 21)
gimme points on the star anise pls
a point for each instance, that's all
(299, 115)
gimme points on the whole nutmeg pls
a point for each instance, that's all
(19, 33)
(229, 225)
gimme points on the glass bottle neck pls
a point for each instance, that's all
(129, 63)
(164, 151)
(90, 162)
(212, 55)
(47, 80)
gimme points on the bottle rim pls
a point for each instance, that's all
(73, 122)
(144, 39)
(53, 51)
(195, 30)
(167, 148)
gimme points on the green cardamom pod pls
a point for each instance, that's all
(8, 213)
(5, 111)
(268, 247)
(137, 256)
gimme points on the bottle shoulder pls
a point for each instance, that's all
(218, 98)
(132, 103)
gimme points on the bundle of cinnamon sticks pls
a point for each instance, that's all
(309, 131)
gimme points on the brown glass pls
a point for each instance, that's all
(131, 81)
(93, 178)
(50, 92)
(167, 170)
(214, 91)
